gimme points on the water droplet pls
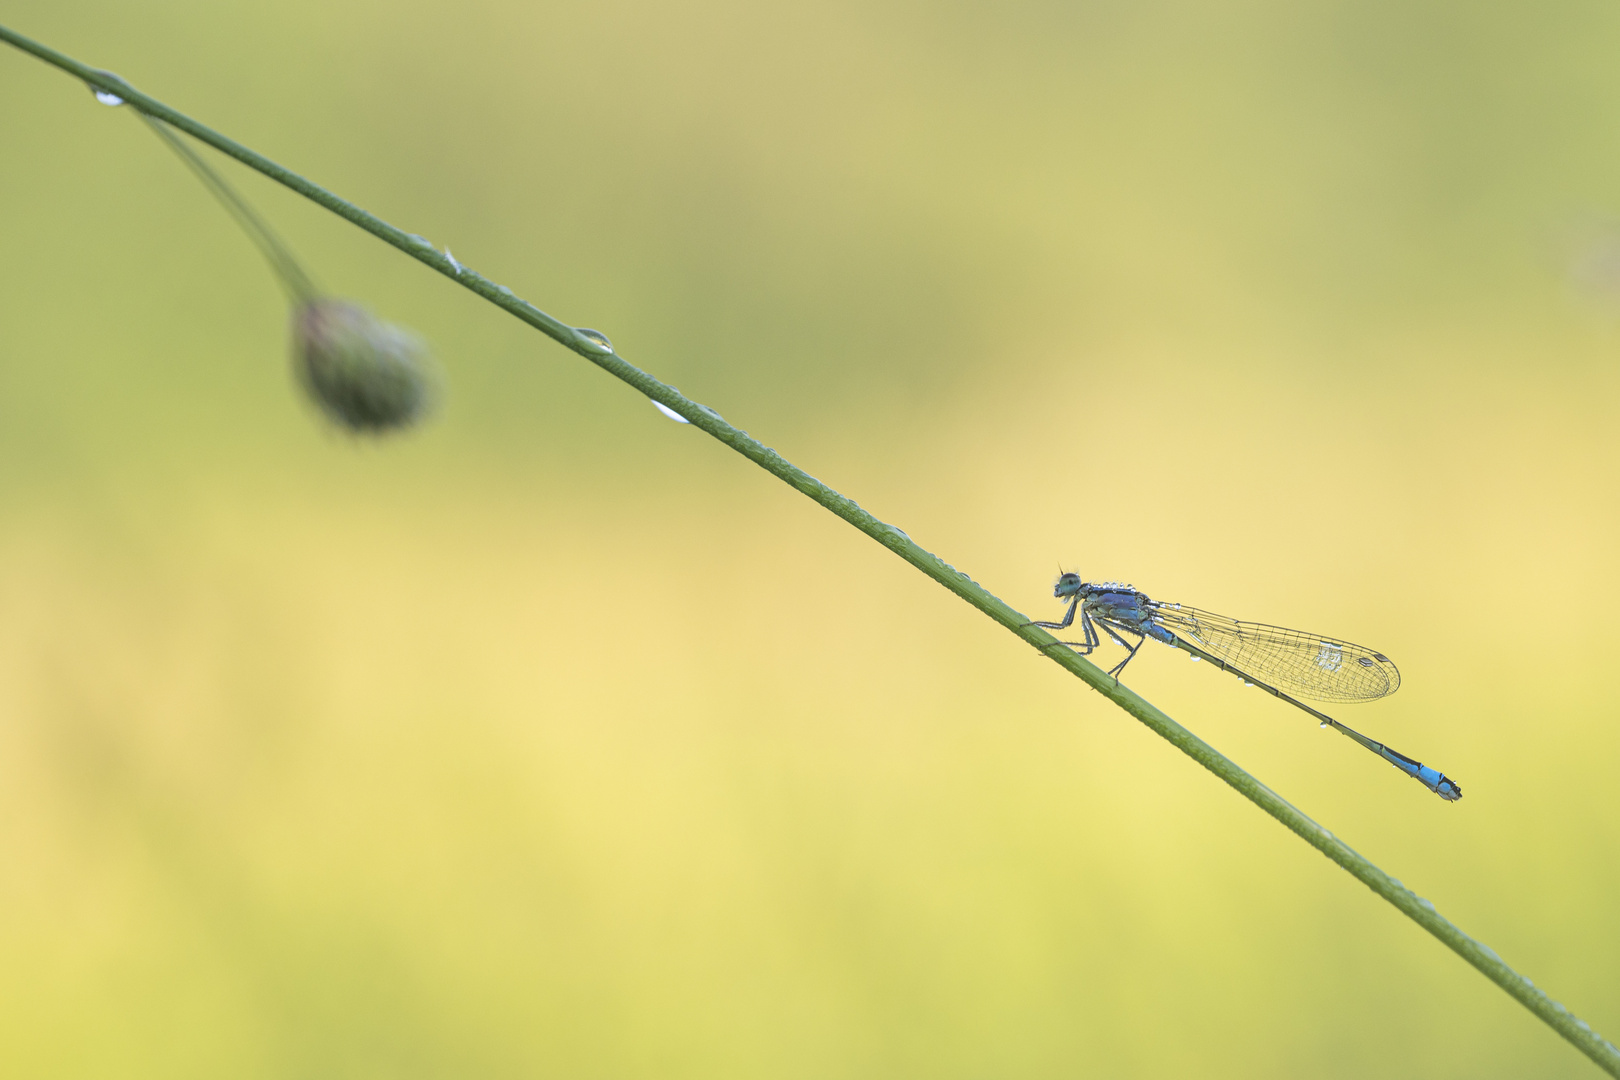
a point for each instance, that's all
(1196, 659)
(1323, 725)
(901, 533)
(453, 264)
(419, 241)
(1425, 904)
(1583, 1025)
(106, 97)
(596, 338)
(669, 412)
(503, 290)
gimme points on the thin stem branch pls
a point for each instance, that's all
(291, 275)
(1414, 907)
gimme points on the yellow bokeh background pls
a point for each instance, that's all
(557, 740)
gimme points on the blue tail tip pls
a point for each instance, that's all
(1433, 779)
(1439, 783)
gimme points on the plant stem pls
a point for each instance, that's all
(1420, 911)
(294, 280)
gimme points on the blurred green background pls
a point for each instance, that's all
(556, 739)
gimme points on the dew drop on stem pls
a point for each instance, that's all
(669, 412)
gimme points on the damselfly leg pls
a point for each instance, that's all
(1114, 630)
(1068, 618)
(1087, 631)
(1093, 640)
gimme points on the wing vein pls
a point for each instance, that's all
(1312, 665)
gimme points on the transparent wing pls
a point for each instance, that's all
(1313, 666)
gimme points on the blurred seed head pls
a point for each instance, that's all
(366, 375)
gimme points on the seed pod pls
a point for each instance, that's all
(366, 375)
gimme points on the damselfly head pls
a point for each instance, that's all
(1067, 585)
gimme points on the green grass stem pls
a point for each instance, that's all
(1414, 907)
(297, 284)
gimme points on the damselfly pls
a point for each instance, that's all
(1313, 666)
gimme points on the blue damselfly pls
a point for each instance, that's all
(1311, 665)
